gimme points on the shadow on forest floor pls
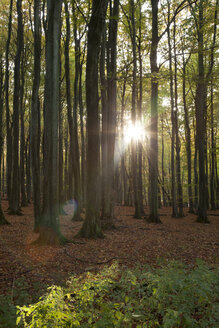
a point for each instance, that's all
(134, 241)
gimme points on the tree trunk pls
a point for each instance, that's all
(134, 147)
(123, 158)
(200, 121)
(153, 155)
(49, 224)
(61, 184)
(188, 140)
(140, 147)
(35, 117)
(15, 197)
(196, 176)
(76, 158)
(91, 226)
(69, 104)
(22, 138)
(178, 163)
(173, 120)
(213, 153)
(162, 163)
(28, 169)
(8, 127)
(66, 176)
(109, 121)
(2, 216)
(81, 111)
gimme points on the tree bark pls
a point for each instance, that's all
(134, 147)
(178, 162)
(14, 207)
(140, 147)
(49, 224)
(69, 104)
(200, 121)
(213, 153)
(188, 140)
(153, 156)
(8, 125)
(173, 120)
(91, 226)
(2, 216)
(35, 117)
(22, 137)
(109, 122)
(76, 158)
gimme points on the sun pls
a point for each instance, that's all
(134, 132)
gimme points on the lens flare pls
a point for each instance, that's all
(134, 132)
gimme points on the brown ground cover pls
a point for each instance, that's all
(133, 241)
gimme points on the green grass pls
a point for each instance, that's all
(170, 296)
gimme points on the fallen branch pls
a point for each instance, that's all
(91, 262)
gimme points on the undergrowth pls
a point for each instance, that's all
(170, 297)
(20, 294)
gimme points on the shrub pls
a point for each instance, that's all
(170, 297)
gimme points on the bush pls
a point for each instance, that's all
(19, 295)
(170, 297)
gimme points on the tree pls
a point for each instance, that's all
(91, 226)
(49, 228)
(109, 120)
(2, 217)
(7, 106)
(173, 121)
(135, 168)
(14, 205)
(200, 120)
(201, 105)
(153, 156)
(35, 117)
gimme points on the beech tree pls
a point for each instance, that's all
(14, 200)
(49, 228)
(35, 116)
(91, 226)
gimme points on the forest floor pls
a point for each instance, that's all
(132, 242)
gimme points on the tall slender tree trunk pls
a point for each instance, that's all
(22, 137)
(61, 181)
(196, 176)
(81, 112)
(213, 153)
(28, 169)
(49, 224)
(200, 121)
(153, 155)
(104, 144)
(108, 215)
(2, 216)
(123, 158)
(91, 226)
(66, 176)
(15, 194)
(188, 140)
(69, 104)
(173, 120)
(140, 147)
(134, 154)
(35, 117)
(8, 125)
(162, 162)
(178, 162)
(76, 158)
